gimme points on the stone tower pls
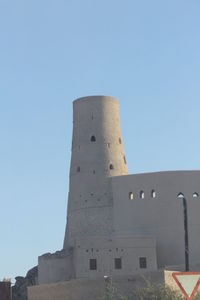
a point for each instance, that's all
(97, 154)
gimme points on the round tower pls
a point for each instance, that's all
(97, 154)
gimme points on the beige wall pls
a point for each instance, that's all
(90, 289)
(162, 216)
(105, 250)
(55, 267)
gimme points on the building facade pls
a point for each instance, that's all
(120, 224)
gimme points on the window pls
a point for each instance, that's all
(180, 195)
(124, 159)
(195, 195)
(118, 263)
(143, 262)
(111, 167)
(78, 169)
(93, 264)
(141, 194)
(120, 141)
(153, 194)
(93, 139)
(131, 196)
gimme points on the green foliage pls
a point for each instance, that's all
(149, 292)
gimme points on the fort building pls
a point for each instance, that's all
(118, 224)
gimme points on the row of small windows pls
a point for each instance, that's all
(194, 195)
(117, 263)
(153, 194)
(93, 139)
(111, 167)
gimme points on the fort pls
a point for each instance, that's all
(118, 225)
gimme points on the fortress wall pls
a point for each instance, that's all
(162, 216)
(55, 267)
(90, 289)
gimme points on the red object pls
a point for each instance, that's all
(175, 274)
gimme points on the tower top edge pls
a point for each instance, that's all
(96, 98)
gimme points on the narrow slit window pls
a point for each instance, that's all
(125, 159)
(142, 194)
(111, 167)
(153, 194)
(93, 138)
(131, 196)
(120, 141)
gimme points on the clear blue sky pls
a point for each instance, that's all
(146, 53)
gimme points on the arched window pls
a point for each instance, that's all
(180, 195)
(78, 169)
(153, 194)
(142, 194)
(111, 167)
(93, 139)
(195, 195)
(131, 196)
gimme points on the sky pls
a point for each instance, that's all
(145, 53)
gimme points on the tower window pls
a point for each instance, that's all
(111, 167)
(195, 195)
(131, 196)
(93, 264)
(78, 169)
(120, 141)
(118, 263)
(93, 139)
(141, 194)
(153, 194)
(180, 195)
(124, 159)
(143, 262)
